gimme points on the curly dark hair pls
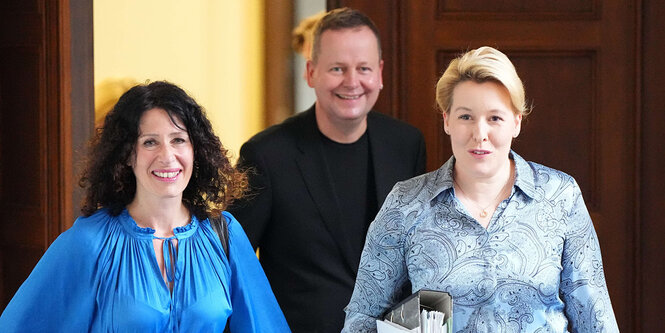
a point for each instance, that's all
(108, 178)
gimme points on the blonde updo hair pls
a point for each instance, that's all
(302, 36)
(481, 65)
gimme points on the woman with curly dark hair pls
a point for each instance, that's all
(145, 257)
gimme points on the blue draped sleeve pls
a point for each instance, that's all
(59, 295)
(255, 308)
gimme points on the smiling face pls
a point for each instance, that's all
(346, 76)
(481, 124)
(163, 157)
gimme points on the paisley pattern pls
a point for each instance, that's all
(537, 268)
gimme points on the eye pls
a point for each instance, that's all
(496, 118)
(336, 69)
(464, 117)
(365, 69)
(179, 140)
(149, 143)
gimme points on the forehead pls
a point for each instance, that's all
(488, 94)
(357, 41)
(157, 118)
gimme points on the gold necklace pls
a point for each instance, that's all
(483, 211)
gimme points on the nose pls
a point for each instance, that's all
(480, 131)
(166, 154)
(351, 79)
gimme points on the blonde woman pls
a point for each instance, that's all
(510, 240)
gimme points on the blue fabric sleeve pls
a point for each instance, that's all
(59, 294)
(255, 308)
(583, 287)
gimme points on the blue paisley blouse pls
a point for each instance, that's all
(536, 268)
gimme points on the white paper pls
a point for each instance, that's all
(432, 322)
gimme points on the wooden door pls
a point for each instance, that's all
(35, 146)
(650, 164)
(578, 59)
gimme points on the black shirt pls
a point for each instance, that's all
(350, 167)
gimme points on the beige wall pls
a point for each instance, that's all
(211, 48)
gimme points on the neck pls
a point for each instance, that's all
(344, 131)
(161, 215)
(483, 189)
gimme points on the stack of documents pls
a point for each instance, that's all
(432, 322)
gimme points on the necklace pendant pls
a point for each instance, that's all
(483, 213)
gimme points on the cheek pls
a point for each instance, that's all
(143, 159)
(458, 140)
(187, 157)
(504, 138)
(372, 81)
(333, 82)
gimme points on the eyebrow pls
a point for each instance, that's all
(461, 108)
(172, 134)
(466, 109)
(337, 63)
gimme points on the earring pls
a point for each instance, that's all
(381, 87)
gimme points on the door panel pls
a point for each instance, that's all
(517, 7)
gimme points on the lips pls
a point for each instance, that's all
(479, 152)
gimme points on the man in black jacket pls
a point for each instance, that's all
(318, 179)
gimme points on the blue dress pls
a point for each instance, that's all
(102, 275)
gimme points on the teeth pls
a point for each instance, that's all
(479, 152)
(166, 174)
(348, 96)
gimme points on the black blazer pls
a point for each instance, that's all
(291, 213)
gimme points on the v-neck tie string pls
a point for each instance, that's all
(170, 254)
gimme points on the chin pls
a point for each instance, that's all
(355, 114)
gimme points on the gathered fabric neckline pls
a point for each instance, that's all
(135, 230)
(169, 248)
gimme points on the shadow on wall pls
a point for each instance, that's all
(107, 93)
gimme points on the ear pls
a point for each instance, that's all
(131, 160)
(446, 125)
(518, 125)
(381, 73)
(309, 73)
